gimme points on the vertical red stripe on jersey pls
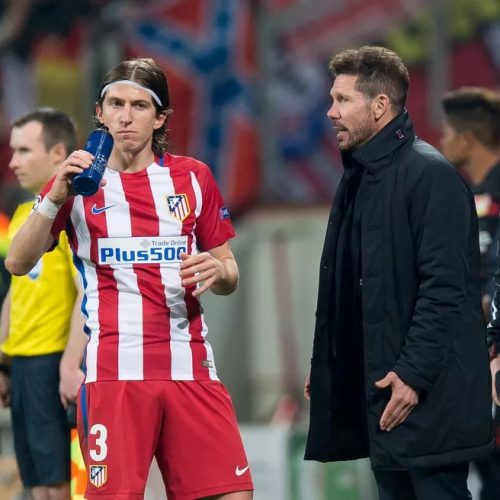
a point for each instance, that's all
(107, 351)
(183, 185)
(71, 234)
(155, 312)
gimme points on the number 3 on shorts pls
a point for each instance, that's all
(101, 451)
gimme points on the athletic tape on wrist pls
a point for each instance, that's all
(48, 208)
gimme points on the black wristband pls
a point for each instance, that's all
(5, 369)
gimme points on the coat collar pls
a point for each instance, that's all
(396, 133)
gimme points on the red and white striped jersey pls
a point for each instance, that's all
(143, 324)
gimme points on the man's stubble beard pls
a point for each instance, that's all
(360, 136)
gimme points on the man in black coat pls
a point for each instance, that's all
(400, 369)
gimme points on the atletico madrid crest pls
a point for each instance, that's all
(178, 206)
(98, 475)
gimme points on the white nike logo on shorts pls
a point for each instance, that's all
(240, 472)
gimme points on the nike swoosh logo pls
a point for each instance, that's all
(97, 211)
(240, 472)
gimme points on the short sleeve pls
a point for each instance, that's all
(213, 226)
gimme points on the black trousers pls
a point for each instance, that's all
(435, 483)
(489, 472)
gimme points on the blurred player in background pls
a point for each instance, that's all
(471, 141)
(38, 314)
(152, 239)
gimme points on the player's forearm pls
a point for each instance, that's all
(73, 354)
(229, 281)
(77, 340)
(29, 244)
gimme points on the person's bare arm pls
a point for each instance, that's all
(4, 359)
(34, 238)
(31, 241)
(70, 370)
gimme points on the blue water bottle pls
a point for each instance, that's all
(100, 144)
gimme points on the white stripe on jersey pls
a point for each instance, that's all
(199, 202)
(91, 292)
(180, 349)
(130, 321)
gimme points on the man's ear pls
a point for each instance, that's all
(162, 118)
(98, 112)
(58, 153)
(380, 105)
(469, 138)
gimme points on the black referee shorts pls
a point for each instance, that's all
(39, 421)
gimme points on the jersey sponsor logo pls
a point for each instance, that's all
(141, 250)
(99, 210)
(98, 475)
(207, 363)
(240, 472)
(178, 206)
(224, 213)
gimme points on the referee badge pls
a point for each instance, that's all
(178, 206)
(98, 475)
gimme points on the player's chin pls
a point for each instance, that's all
(25, 184)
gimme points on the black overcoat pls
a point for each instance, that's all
(421, 314)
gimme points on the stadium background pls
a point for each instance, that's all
(250, 90)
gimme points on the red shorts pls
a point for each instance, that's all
(190, 427)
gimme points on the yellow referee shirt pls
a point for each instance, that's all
(42, 301)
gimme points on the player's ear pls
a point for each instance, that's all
(162, 117)
(58, 153)
(380, 105)
(468, 137)
(98, 112)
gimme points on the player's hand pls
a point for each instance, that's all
(403, 400)
(495, 368)
(200, 268)
(70, 382)
(4, 390)
(307, 387)
(74, 164)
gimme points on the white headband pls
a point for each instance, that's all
(134, 84)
